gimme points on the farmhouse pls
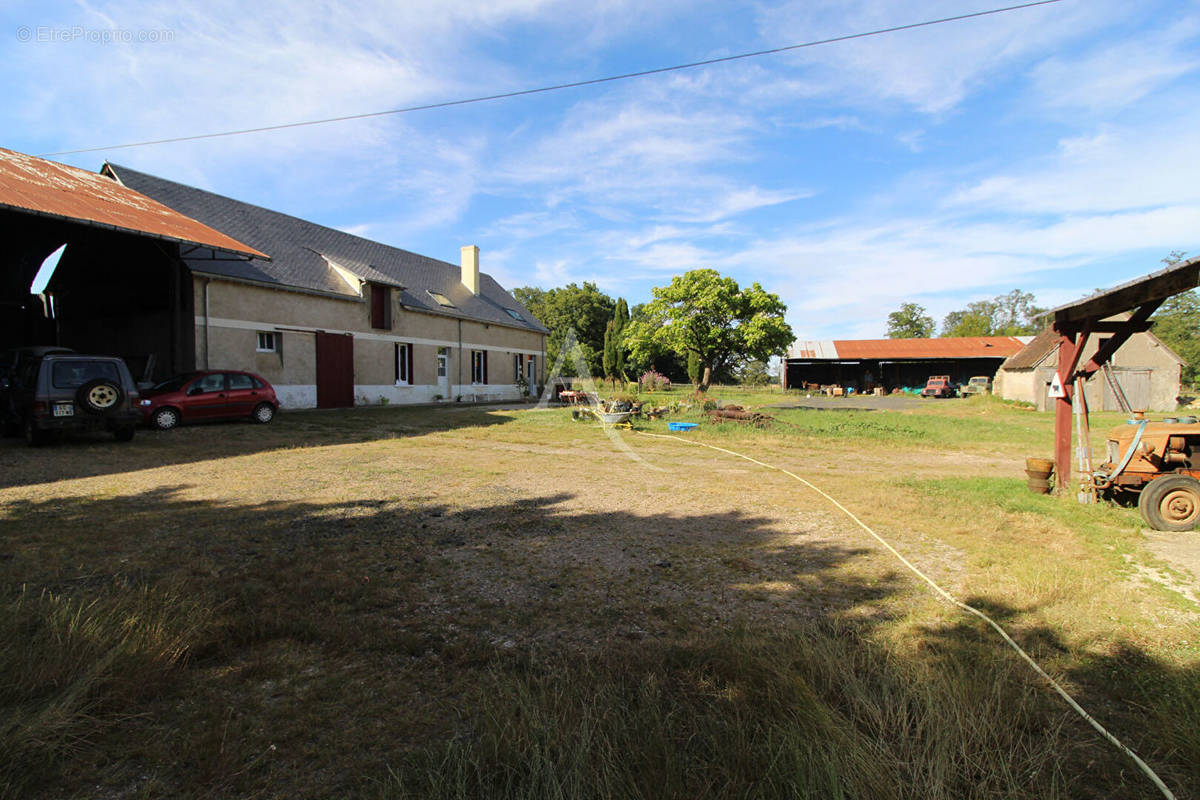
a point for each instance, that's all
(1145, 369)
(334, 320)
(865, 364)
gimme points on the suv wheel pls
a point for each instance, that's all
(1171, 503)
(100, 396)
(165, 418)
(264, 413)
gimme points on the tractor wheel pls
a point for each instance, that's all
(1171, 503)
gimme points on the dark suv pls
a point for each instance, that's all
(59, 392)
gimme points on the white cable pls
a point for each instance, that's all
(1150, 773)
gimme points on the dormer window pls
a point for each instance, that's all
(441, 299)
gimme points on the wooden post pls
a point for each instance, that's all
(1062, 412)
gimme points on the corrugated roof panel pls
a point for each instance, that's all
(32, 184)
(908, 349)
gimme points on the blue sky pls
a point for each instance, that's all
(1054, 149)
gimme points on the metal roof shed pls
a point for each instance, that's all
(1074, 322)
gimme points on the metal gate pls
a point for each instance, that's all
(335, 370)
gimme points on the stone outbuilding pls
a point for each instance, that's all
(1144, 367)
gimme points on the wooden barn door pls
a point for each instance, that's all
(335, 370)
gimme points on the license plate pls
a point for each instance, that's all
(64, 410)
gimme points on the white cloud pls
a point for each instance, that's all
(930, 69)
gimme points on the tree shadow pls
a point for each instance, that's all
(84, 455)
(349, 635)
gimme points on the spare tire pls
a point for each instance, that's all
(100, 396)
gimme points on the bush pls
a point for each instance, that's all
(652, 381)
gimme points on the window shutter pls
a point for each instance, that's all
(381, 306)
(485, 380)
(396, 361)
(410, 362)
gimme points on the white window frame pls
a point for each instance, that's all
(403, 364)
(477, 368)
(274, 340)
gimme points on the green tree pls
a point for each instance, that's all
(610, 351)
(693, 368)
(620, 323)
(1177, 323)
(910, 322)
(1012, 314)
(585, 309)
(754, 373)
(704, 313)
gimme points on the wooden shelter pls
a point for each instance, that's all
(1075, 322)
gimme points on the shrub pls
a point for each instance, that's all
(652, 381)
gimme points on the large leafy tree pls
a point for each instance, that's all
(910, 322)
(1177, 323)
(584, 309)
(704, 313)
(1012, 314)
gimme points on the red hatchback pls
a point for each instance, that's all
(209, 395)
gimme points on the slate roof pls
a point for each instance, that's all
(46, 188)
(909, 349)
(301, 253)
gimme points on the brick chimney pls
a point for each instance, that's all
(470, 268)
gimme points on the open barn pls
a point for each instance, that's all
(890, 364)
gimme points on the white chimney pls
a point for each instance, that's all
(470, 268)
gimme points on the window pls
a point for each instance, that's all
(441, 299)
(404, 362)
(208, 383)
(381, 306)
(443, 361)
(517, 359)
(479, 366)
(268, 342)
(239, 381)
(73, 374)
(514, 314)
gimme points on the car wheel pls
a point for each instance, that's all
(264, 413)
(125, 434)
(100, 396)
(165, 418)
(1171, 503)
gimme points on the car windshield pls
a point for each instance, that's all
(173, 384)
(73, 374)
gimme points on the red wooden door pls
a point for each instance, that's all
(335, 370)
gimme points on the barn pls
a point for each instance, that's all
(1143, 368)
(866, 364)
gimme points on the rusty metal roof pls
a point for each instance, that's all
(47, 188)
(909, 349)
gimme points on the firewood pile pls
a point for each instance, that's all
(738, 414)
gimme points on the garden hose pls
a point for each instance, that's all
(1142, 765)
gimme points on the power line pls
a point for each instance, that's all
(559, 86)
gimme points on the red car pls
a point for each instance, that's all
(209, 395)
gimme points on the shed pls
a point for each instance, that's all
(863, 364)
(1145, 369)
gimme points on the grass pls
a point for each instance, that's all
(454, 602)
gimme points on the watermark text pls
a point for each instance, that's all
(51, 34)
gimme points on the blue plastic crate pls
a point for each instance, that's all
(682, 426)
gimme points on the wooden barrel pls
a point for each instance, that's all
(1039, 471)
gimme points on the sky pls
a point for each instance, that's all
(1055, 150)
